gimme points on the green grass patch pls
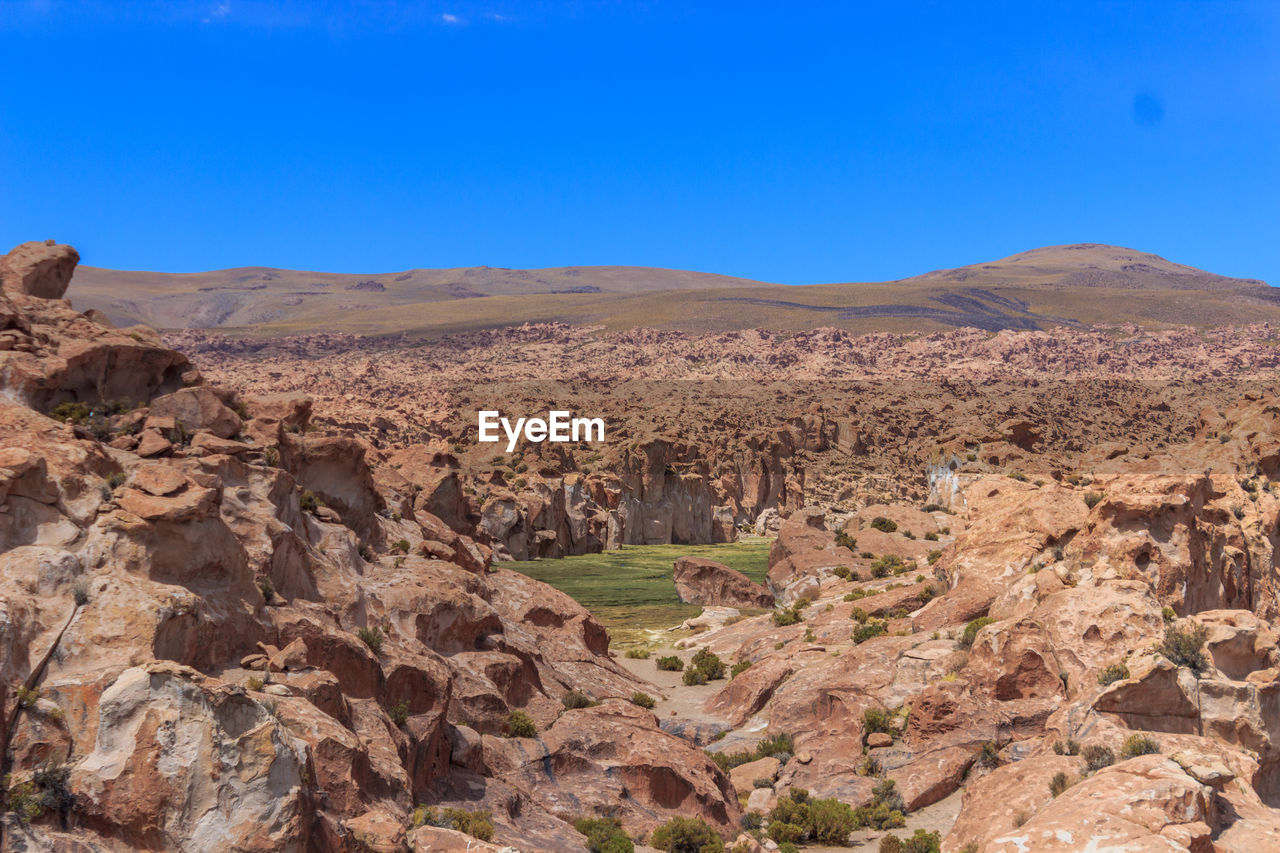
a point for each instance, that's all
(630, 590)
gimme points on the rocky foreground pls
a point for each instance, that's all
(229, 622)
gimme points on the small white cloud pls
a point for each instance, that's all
(450, 19)
(218, 12)
(494, 16)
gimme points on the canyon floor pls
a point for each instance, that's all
(257, 593)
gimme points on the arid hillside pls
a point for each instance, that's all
(1022, 588)
(1079, 285)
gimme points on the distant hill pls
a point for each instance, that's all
(1082, 284)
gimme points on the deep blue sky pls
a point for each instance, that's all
(785, 141)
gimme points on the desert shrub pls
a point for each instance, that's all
(308, 502)
(870, 628)
(693, 677)
(27, 696)
(401, 545)
(266, 587)
(48, 790)
(255, 683)
(708, 663)
(604, 835)
(785, 617)
(797, 818)
(80, 591)
(884, 525)
(921, 841)
(762, 782)
(1135, 745)
(670, 663)
(1092, 499)
(869, 767)
(477, 824)
(856, 595)
(686, 835)
(520, 724)
(830, 822)
(739, 668)
(1185, 646)
(1059, 783)
(844, 540)
(841, 572)
(989, 754)
(885, 565)
(399, 713)
(971, 630)
(885, 811)
(1097, 756)
(878, 720)
(933, 557)
(637, 654)
(575, 699)
(372, 638)
(931, 536)
(859, 615)
(779, 746)
(1114, 672)
(644, 700)
(366, 553)
(1168, 614)
(1070, 747)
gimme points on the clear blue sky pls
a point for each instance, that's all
(789, 142)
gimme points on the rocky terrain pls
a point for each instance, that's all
(252, 596)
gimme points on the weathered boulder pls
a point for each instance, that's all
(39, 268)
(702, 581)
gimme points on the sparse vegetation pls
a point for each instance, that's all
(637, 654)
(867, 630)
(885, 811)
(1092, 499)
(844, 540)
(686, 835)
(739, 668)
(604, 835)
(1059, 783)
(1068, 747)
(670, 663)
(785, 617)
(1096, 756)
(1114, 672)
(477, 824)
(884, 525)
(778, 746)
(1185, 646)
(644, 700)
(308, 502)
(80, 591)
(921, 841)
(989, 754)
(399, 714)
(520, 724)
(372, 638)
(708, 663)
(1138, 744)
(266, 587)
(798, 818)
(971, 630)
(576, 699)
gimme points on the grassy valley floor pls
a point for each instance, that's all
(630, 590)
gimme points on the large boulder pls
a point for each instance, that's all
(39, 268)
(701, 581)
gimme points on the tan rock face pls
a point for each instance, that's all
(702, 581)
(41, 269)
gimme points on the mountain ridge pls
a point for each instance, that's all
(1074, 285)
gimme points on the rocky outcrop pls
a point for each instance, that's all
(206, 581)
(702, 581)
(40, 269)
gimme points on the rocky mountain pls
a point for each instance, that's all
(220, 629)
(1076, 285)
(253, 596)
